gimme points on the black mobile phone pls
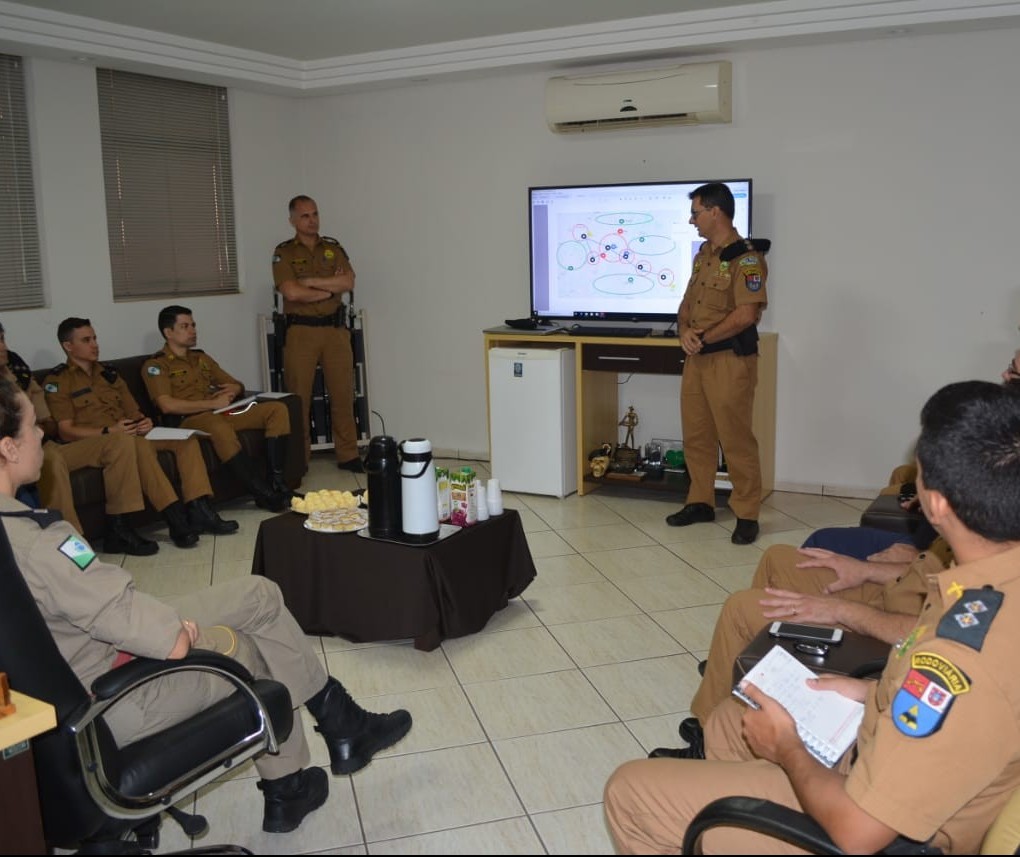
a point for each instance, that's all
(810, 633)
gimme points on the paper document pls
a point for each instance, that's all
(270, 394)
(827, 721)
(163, 433)
(238, 406)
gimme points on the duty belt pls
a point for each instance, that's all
(316, 320)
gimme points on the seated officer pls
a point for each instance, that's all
(879, 599)
(186, 383)
(938, 751)
(88, 399)
(96, 616)
(114, 454)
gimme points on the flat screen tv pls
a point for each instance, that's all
(617, 252)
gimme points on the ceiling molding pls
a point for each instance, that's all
(40, 32)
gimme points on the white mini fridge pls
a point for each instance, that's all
(533, 420)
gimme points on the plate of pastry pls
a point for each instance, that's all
(336, 520)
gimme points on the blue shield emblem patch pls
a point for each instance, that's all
(923, 701)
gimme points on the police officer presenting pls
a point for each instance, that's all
(88, 399)
(312, 272)
(188, 385)
(716, 323)
(938, 751)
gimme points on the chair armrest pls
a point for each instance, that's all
(761, 816)
(140, 670)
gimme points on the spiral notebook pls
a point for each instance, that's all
(827, 722)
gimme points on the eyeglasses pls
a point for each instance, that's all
(694, 214)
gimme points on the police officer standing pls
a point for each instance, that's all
(88, 399)
(312, 272)
(716, 323)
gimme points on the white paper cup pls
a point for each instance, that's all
(494, 497)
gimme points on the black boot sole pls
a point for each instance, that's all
(367, 748)
(314, 801)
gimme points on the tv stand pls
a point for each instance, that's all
(600, 359)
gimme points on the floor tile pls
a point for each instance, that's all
(512, 836)
(485, 657)
(390, 669)
(579, 830)
(605, 537)
(555, 605)
(649, 687)
(611, 641)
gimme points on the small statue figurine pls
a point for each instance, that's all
(629, 420)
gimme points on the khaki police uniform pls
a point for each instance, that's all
(938, 751)
(717, 388)
(194, 377)
(741, 618)
(100, 398)
(316, 335)
(114, 454)
(95, 613)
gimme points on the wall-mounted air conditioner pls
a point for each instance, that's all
(675, 95)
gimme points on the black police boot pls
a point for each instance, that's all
(120, 538)
(745, 532)
(246, 472)
(692, 513)
(289, 799)
(276, 458)
(181, 532)
(352, 734)
(204, 519)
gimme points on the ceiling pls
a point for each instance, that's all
(324, 46)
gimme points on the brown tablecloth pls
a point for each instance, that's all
(365, 589)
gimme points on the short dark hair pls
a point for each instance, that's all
(168, 316)
(715, 195)
(10, 408)
(969, 451)
(68, 326)
(299, 198)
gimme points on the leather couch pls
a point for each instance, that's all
(87, 483)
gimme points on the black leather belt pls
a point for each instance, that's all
(315, 320)
(722, 345)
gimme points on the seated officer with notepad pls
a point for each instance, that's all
(88, 399)
(187, 386)
(938, 751)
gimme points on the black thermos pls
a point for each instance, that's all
(383, 469)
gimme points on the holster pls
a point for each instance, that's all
(280, 328)
(745, 343)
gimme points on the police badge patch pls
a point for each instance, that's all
(276, 258)
(51, 388)
(923, 701)
(153, 370)
(752, 281)
(76, 550)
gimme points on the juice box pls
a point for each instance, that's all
(443, 492)
(463, 498)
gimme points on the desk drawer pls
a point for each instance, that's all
(646, 359)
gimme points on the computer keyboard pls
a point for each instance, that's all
(592, 330)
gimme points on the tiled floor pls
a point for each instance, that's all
(516, 728)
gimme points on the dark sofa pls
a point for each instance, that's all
(87, 483)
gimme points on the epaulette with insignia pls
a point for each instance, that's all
(327, 240)
(56, 370)
(745, 245)
(197, 350)
(156, 356)
(283, 244)
(970, 617)
(109, 373)
(19, 369)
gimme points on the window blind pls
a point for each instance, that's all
(20, 266)
(169, 188)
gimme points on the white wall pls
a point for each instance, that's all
(76, 260)
(884, 172)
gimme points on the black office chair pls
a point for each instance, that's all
(104, 799)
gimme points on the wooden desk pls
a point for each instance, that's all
(19, 799)
(600, 359)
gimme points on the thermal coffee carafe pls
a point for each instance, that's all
(384, 504)
(419, 509)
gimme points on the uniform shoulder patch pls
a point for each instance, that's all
(153, 369)
(50, 387)
(78, 551)
(922, 703)
(970, 618)
(752, 280)
(276, 258)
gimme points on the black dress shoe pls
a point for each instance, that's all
(745, 532)
(692, 513)
(289, 799)
(675, 753)
(354, 465)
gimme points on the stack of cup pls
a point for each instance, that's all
(493, 497)
(482, 502)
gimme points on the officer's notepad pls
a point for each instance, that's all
(827, 722)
